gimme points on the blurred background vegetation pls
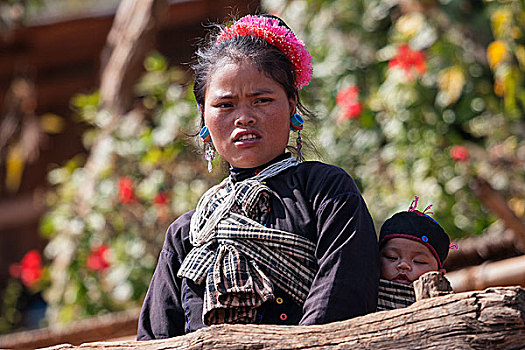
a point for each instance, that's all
(411, 98)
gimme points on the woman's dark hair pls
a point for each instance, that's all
(266, 57)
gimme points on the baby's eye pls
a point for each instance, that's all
(389, 257)
(420, 262)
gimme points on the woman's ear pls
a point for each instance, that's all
(293, 105)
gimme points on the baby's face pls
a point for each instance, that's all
(404, 260)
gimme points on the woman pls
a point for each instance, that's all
(279, 241)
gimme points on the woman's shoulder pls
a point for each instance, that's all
(177, 235)
(317, 166)
(323, 171)
(318, 175)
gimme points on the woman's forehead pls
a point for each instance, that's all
(233, 78)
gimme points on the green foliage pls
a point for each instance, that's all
(412, 98)
(104, 244)
(426, 120)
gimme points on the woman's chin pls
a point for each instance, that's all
(250, 159)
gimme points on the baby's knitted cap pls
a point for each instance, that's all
(420, 227)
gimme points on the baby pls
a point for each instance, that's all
(411, 243)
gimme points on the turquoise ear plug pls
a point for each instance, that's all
(296, 122)
(205, 134)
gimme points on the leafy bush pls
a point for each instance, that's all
(103, 246)
(413, 98)
(418, 98)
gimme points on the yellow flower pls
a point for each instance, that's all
(450, 82)
(52, 123)
(501, 20)
(520, 55)
(499, 88)
(496, 52)
(410, 24)
(518, 206)
(515, 32)
(14, 168)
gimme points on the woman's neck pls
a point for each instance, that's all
(239, 174)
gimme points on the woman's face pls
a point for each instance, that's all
(248, 114)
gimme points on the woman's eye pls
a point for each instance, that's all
(263, 100)
(224, 105)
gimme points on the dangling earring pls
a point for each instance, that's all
(296, 124)
(209, 152)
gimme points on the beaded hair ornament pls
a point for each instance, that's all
(426, 213)
(270, 30)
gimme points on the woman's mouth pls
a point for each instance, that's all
(246, 138)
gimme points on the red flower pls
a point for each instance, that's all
(30, 268)
(347, 100)
(97, 260)
(459, 153)
(125, 190)
(409, 61)
(160, 199)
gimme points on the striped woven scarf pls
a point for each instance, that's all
(240, 259)
(394, 295)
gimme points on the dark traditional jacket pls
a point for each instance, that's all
(315, 200)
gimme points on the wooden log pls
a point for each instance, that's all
(494, 201)
(490, 319)
(431, 284)
(509, 272)
(104, 327)
(131, 37)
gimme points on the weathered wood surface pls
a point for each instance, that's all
(509, 272)
(103, 327)
(496, 203)
(132, 35)
(431, 284)
(490, 319)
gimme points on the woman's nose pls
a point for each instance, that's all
(244, 121)
(245, 118)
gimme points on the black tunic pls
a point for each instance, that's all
(318, 201)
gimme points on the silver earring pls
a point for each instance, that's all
(209, 155)
(209, 152)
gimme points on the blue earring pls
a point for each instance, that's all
(296, 122)
(209, 152)
(205, 134)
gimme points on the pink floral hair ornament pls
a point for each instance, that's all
(279, 36)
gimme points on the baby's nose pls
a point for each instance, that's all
(403, 265)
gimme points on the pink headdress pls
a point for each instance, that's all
(279, 36)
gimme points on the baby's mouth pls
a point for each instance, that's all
(402, 278)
